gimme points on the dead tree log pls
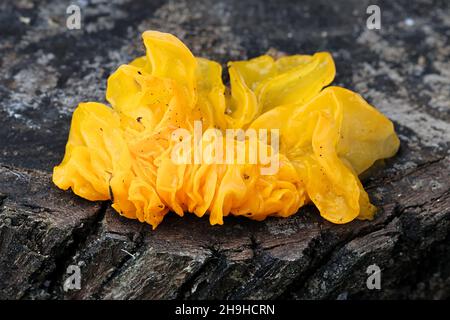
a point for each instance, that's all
(403, 69)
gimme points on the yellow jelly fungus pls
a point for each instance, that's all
(327, 137)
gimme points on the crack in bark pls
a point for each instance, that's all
(139, 245)
(402, 174)
(186, 288)
(317, 263)
(255, 246)
(2, 198)
(430, 201)
(397, 211)
(64, 253)
(18, 172)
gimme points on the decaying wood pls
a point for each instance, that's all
(403, 69)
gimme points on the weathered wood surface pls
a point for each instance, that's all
(46, 69)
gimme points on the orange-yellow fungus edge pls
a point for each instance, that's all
(124, 152)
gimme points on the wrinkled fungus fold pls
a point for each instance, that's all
(327, 135)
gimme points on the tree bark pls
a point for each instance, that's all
(403, 69)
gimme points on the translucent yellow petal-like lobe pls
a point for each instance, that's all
(333, 138)
(287, 63)
(149, 206)
(124, 91)
(211, 94)
(88, 162)
(337, 195)
(298, 84)
(330, 184)
(170, 58)
(242, 104)
(255, 70)
(366, 134)
(142, 64)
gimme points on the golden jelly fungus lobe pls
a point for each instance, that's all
(327, 136)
